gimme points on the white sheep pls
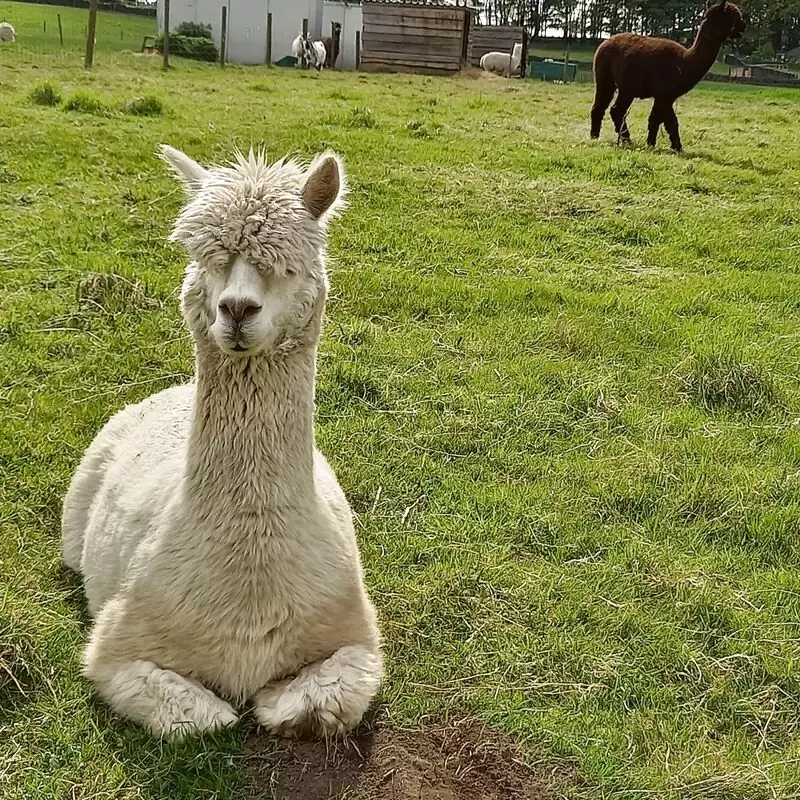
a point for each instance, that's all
(7, 32)
(502, 63)
(216, 547)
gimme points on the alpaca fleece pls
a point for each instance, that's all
(216, 546)
(643, 66)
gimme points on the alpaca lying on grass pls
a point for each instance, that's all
(502, 63)
(7, 32)
(216, 546)
(642, 66)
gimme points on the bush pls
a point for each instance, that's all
(195, 30)
(86, 103)
(45, 94)
(196, 47)
(145, 106)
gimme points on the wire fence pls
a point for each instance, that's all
(50, 30)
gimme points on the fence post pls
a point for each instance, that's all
(523, 67)
(60, 30)
(165, 45)
(358, 49)
(223, 39)
(44, 26)
(269, 39)
(90, 31)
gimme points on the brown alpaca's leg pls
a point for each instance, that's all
(619, 111)
(671, 124)
(654, 123)
(603, 96)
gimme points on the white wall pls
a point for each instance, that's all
(247, 25)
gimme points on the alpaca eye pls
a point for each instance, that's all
(290, 273)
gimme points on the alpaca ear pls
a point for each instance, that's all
(189, 172)
(324, 189)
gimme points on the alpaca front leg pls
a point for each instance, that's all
(326, 698)
(165, 703)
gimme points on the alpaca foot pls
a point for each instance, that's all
(165, 703)
(327, 698)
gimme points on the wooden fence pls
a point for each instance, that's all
(488, 38)
(414, 38)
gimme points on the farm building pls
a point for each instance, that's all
(247, 25)
(417, 35)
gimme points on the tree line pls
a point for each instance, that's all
(773, 25)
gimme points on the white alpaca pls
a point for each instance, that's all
(502, 63)
(7, 32)
(216, 546)
(309, 53)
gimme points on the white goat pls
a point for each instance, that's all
(7, 32)
(502, 63)
(309, 53)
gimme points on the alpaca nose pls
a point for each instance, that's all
(237, 311)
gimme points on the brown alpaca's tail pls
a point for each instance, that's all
(604, 87)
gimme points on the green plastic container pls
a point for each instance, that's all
(552, 70)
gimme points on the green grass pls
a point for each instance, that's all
(558, 382)
(37, 30)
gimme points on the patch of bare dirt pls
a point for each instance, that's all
(459, 762)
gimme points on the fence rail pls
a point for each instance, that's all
(114, 7)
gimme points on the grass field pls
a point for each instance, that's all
(559, 384)
(37, 30)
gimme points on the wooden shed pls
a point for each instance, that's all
(498, 38)
(416, 35)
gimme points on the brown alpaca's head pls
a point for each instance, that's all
(725, 20)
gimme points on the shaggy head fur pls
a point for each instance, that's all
(256, 234)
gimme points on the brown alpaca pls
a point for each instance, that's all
(332, 45)
(642, 66)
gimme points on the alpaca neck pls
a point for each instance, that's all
(251, 444)
(700, 57)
